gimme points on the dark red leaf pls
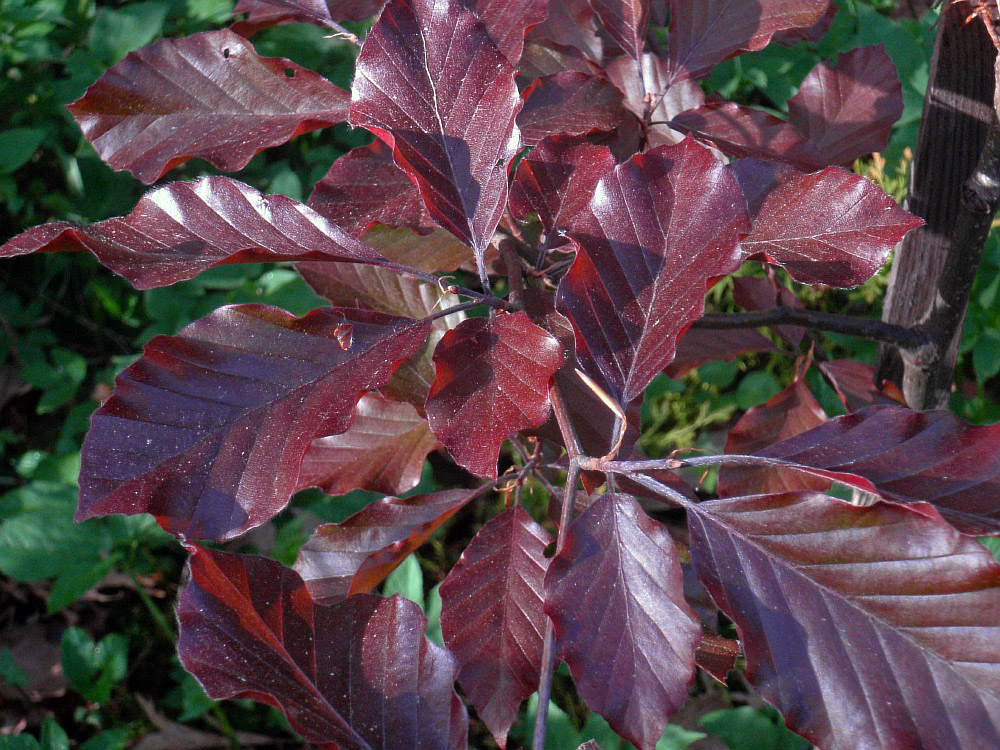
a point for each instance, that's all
(848, 110)
(570, 23)
(557, 180)
(545, 59)
(492, 617)
(432, 85)
(908, 456)
(359, 674)
(668, 100)
(811, 33)
(717, 655)
(208, 95)
(615, 594)
(492, 380)
(705, 32)
(177, 231)
(756, 293)
(507, 20)
(626, 21)
(208, 429)
(383, 451)
(365, 187)
(855, 385)
(570, 103)
(866, 626)
(792, 412)
(355, 556)
(699, 345)
(740, 132)
(830, 227)
(657, 229)
(264, 13)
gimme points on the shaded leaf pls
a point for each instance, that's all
(492, 380)
(615, 594)
(705, 32)
(208, 429)
(854, 384)
(177, 231)
(365, 187)
(208, 95)
(355, 556)
(812, 33)
(383, 451)
(626, 21)
(264, 13)
(358, 674)
(848, 109)
(792, 412)
(657, 229)
(557, 180)
(907, 456)
(570, 23)
(492, 617)
(546, 59)
(756, 293)
(866, 626)
(432, 85)
(831, 227)
(569, 103)
(699, 345)
(507, 20)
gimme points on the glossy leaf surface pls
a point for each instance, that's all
(848, 109)
(208, 95)
(177, 231)
(831, 227)
(626, 21)
(657, 229)
(615, 594)
(557, 180)
(866, 626)
(492, 380)
(382, 451)
(359, 674)
(365, 187)
(507, 20)
(909, 456)
(355, 556)
(570, 103)
(208, 429)
(706, 32)
(433, 85)
(492, 618)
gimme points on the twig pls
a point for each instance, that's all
(454, 309)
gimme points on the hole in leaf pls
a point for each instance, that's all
(289, 72)
(225, 53)
(550, 549)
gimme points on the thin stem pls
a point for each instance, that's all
(439, 281)
(454, 309)
(905, 337)
(154, 611)
(659, 488)
(344, 33)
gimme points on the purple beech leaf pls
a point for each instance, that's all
(492, 617)
(506, 21)
(569, 103)
(756, 293)
(264, 13)
(848, 110)
(547, 59)
(492, 380)
(854, 383)
(812, 33)
(658, 228)
(791, 412)
(615, 594)
(740, 132)
(365, 187)
(907, 456)
(208, 429)
(626, 21)
(209, 95)
(699, 345)
(355, 556)
(706, 32)
(383, 451)
(177, 231)
(433, 85)
(831, 227)
(557, 180)
(570, 23)
(359, 674)
(867, 627)
(668, 99)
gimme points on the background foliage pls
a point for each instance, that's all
(86, 625)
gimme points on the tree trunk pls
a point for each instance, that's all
(933, 269)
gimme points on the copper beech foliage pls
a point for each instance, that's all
(523, 247)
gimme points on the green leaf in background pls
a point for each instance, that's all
(10, 673)
(17, 146)
(18, 742)
(94, 669)
(194, 702)
(118, 31)
(113, 739)
(433, 612)
(42, 545)
(53, 736)
(407, 580)
(748, 728)
(72, 584)
(756, 388)
(986, 355)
